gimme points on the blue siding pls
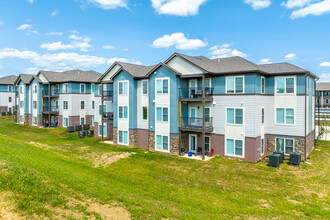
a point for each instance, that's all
(3, 88)
(270, 83)
(300, 84)
(219, 85)
(174, 99)
(252, 84)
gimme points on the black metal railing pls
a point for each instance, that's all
(195, 93)
(107, 94)
(53, 92)
(51, 109)
(107, 116)
(196, 123)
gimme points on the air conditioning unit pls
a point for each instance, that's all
(70, 129)
(90, 133)
(274, 160)
(281, 153)
(295, 158)
(82, 134)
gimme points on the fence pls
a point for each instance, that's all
(322, 124)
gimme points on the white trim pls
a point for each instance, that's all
(262, 108)
(263, 78)
(262, 146)
(235, 116)
(190, 108)
(294, 85)
(122, 143)
(235, 84)
(162, 79)
(147, 87)
(84, 105)
(123, 112)
(190, 86)
(193, 135)
(147, 113)
(243, 148)
(84, 88)
(285, 144)
(282, 124)
(123, 81)
(206, 136)
(168, 143)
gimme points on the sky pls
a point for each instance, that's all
(92, 34)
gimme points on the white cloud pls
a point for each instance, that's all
(179, 41)
(56, 46)
(325, 64)
(296, 3)
(108, 47)
(265, 61)
(81, 43)
(109, 4)
(31, 70)
(79, 38)
(55, 12)
(258, 4)
(324, 77)
(177, 7)
(31, 1)
(114, 59)
(290, 56)
(14, 53)
(55, 33)
(316, 9)
(225, 50)
(24, 27)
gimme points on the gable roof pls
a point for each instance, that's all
(8, 80)
(280, 68)
(156, 67)
(135, 70)
(25, 78)
(71, 76)
(325, 86)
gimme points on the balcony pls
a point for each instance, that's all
(196, 124)
(107, 116)
(195, 94)
(107, 95)
(53, 93)
(53, 109)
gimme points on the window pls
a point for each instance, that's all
(65, 122)
(35, 120)
(123, 88)
(82, 88)
(82, 121)
(262, 146)
(123, 137)
(9, 99)
(144, 87)
(65, 105)
(234, 147)
(35, 89)
(285, 85)
(235, 116)
(235, 84)
(104, 130)
(34, 104)
(145, 113)
(100, 90)
(93, 104)
(123, 112)
(285, 116)
(82, 105)
(207, 114)
(263, 82)
(21, 89)
(262, 115)
(104, 109)
(207, 143)
(162, 143)
(284, 144)
(162, 114)
(93, 121)
(162, 86)
(65, 88)
(9, 88)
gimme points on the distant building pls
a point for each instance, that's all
(323, 95)
(7, 94)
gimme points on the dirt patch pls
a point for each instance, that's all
(45, 146)
(294, 201)
(264, 203)
(105, 159)
(107, 212)
(6, 208)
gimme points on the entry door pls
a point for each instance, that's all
(192, 143)
(192, 115)
(192, 88)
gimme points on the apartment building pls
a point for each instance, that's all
(232, 106)
(323, 95)
(7, 94)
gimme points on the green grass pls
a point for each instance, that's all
(155, 186)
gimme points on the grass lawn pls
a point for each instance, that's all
(43, 171)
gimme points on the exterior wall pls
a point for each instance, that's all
(96, 129)
(133, 137)
(4, 101)
(109, 131)
(142, 101)
(142, 139)
(183, 67)
(310, 142)
(74, 120)
(115, 135)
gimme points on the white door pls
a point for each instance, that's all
(192, 115)
(192, 88)
(192, 143)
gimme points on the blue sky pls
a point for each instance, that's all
(92, 34)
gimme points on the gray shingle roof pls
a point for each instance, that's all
(26, 78)
(281, 68)
(137, 71)
(323, 86)
(71, 76)
(8, 80)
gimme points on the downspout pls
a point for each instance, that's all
(305, 135)
(48, 105)
(149, 95)
(203, 134)
(102, 110)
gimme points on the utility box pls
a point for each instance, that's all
(70, 129)
(90, 133)
(274, 160)
(281, 153)
(295, 158)
(86, 127)
(82, 134)
(78, 127)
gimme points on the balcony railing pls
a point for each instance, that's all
(196, 123)
(107, 94)
(53, 92)
(51, 109)
(195, 93)
(107, 116)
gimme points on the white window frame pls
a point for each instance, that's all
(262, 146)
(294, 85)
(65, 105)
(264, 87)
(9, 88)
(209, 143)
(193, 135)
(123, 82)
(84, 120)
(162, 79)
(142, 87)
(36, 121)
(281, 124)
(243, 148)
(83, 84)
(294, 150)
(235, 116)
(210, 114)
(169, 140)
(123, 143)
(235, 84)
(84, 109)
(36, 104)
(209, 78)
(65, 88)
(65, 121)
(262, 116)
(147, 113)
(100, 130)
(123, 106)
(10, 99)
(162, 116)
(93, 105)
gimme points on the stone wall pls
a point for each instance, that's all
(151, 141)
(185, 142)
(96, 129)
(132, 137)
(174, 144)
(115, 135)
(3, 108)
(40, 121)
(28, 119)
